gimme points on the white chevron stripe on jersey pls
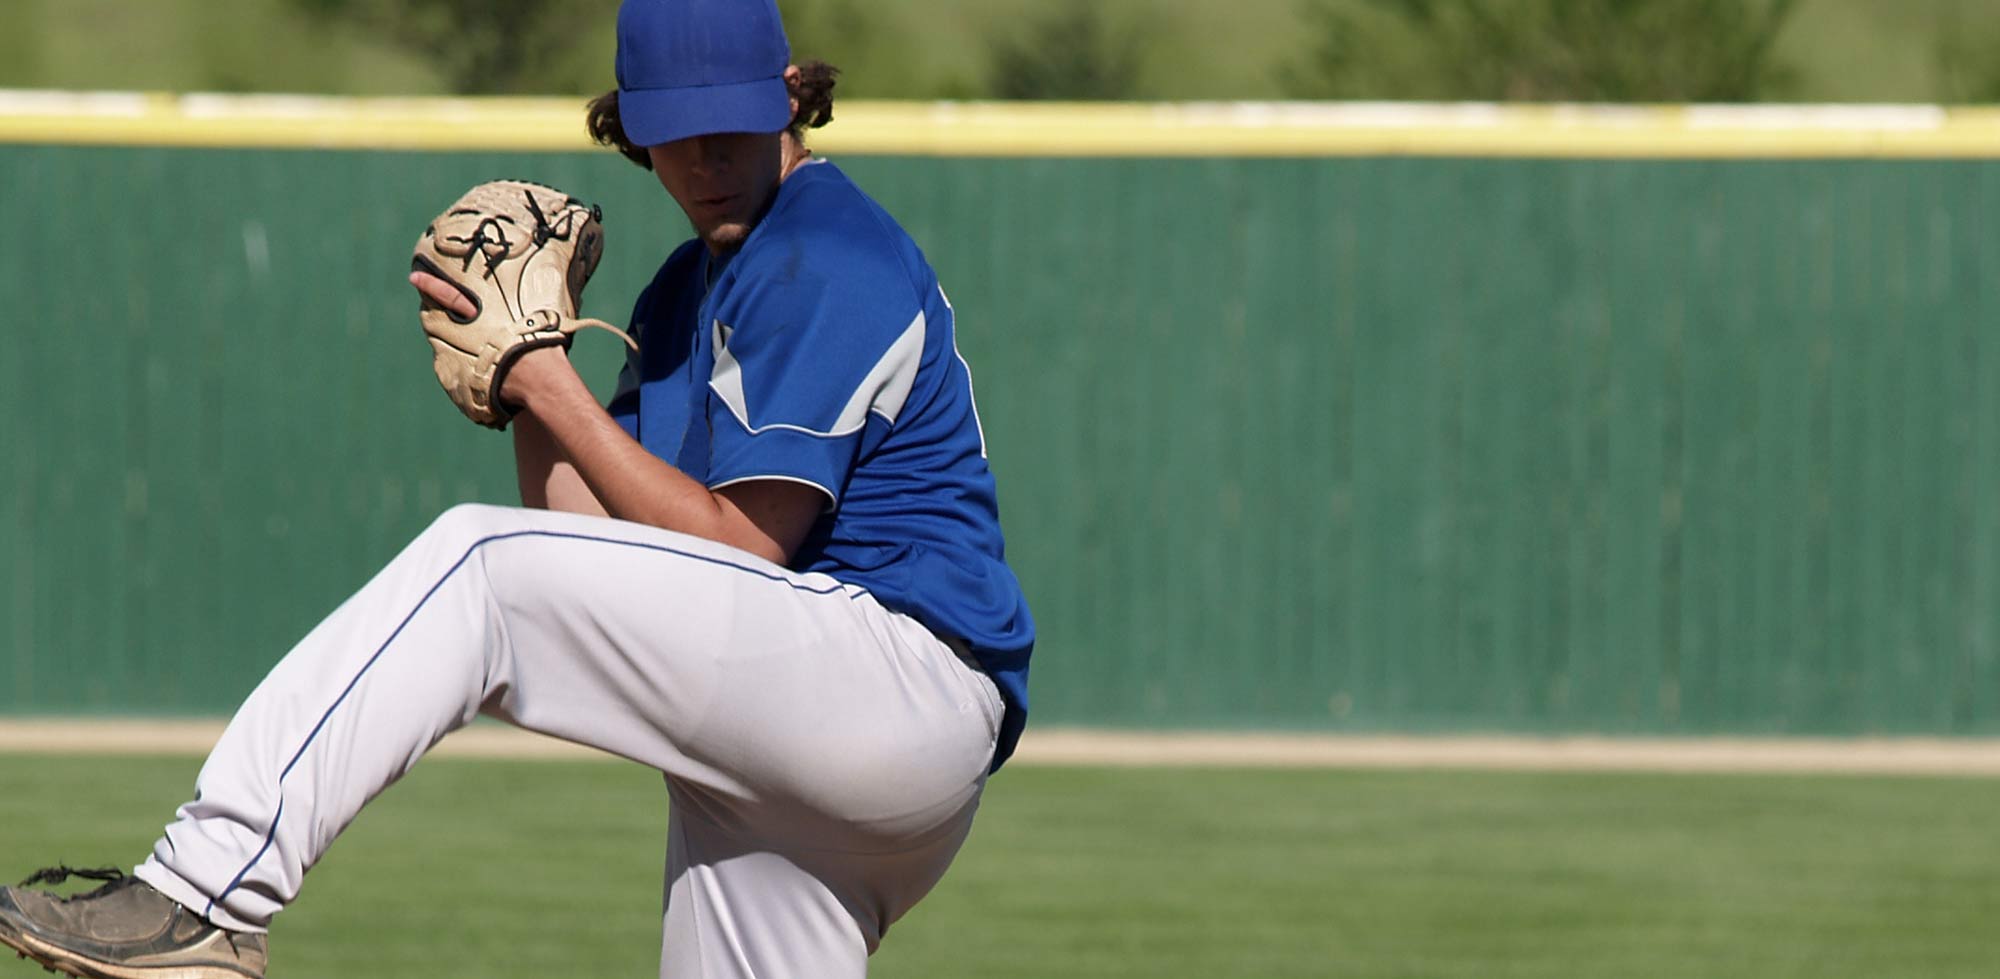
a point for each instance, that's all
(883, 391)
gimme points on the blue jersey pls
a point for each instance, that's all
(821, 352)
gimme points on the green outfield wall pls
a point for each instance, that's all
(1346, 442)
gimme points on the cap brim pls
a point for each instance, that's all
(652, 116)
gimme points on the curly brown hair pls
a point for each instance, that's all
(813, 88)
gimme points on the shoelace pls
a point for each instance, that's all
(114, 879)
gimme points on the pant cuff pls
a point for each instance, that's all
(184, 894)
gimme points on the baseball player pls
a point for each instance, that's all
(772, 568)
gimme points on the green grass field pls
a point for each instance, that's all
(494, 869)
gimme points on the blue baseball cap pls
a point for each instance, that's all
(695, 67)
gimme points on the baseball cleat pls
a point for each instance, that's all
(122, 930)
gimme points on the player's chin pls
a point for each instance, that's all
(727, 234)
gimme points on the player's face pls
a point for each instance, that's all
(721, 181)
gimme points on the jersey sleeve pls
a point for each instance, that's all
(623, 407)
(811, 369)
(624, 404)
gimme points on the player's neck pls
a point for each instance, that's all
(796, 154)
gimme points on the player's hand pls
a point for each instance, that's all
(441, 293)
(533, 371)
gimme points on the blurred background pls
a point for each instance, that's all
(1945, 51)
(1517, 425)
(1578, 430)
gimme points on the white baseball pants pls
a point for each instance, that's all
(823, 755)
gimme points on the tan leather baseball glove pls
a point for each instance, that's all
(521, 253)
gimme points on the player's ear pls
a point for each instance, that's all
(792, 76)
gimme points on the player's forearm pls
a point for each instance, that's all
(547, 479)
(636, 485)
(630, 482)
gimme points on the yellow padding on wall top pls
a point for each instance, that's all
(1288, 129)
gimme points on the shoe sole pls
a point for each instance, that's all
(54, 959)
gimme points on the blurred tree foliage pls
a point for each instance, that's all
(1968, 58)
(1542, 50)
(20, 56)
(544, 46)
(853, 35)
(490, 46)
(1829, 50)
(1067, 51)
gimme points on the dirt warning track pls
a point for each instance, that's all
(1085, 747)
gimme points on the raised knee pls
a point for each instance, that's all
(471, 521)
